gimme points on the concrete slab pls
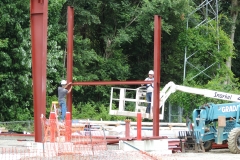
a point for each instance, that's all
(160, 146)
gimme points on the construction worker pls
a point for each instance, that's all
(62, 92)
(149, 88)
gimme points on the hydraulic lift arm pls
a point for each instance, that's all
(167, 90)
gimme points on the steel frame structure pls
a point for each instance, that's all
(39, 16)
(209, 10)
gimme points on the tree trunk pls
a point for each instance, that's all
(234, 14)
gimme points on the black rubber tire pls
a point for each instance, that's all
(207, 146)
(234, 141)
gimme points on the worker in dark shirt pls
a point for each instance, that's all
(62, 92)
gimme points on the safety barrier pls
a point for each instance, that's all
(70, 141)
(15, 153)
(79, 142)
(84, 145)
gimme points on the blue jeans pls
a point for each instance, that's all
(149, 99)
(63, 109)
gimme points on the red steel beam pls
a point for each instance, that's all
(94, 83)
(127, 128)
(157, 63)
(70, 19)
(38, 21)
(139, 126)
(219, 146)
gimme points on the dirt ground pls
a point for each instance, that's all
(214, 154)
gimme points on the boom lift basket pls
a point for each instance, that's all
(129, 102)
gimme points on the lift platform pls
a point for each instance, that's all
(129, 102)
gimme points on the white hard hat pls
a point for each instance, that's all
(151, 72)
(63, 82)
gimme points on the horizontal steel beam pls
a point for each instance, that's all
(93, 83)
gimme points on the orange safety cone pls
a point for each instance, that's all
(68, 126)
(53, 126)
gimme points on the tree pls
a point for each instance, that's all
(15, 79)
(113, 40)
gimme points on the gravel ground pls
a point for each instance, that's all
(214, 154)
(113, 152)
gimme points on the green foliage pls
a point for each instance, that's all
(18, 126)
(113, 40)
(173, 22)
(15, 73)
(203, 42)
(93, 111)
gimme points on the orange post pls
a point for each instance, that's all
(53, 126)
(127, 128)
(68, 126)
(139, 126)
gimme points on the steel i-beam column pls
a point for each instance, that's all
(39, 15)
(157, 63)
(70, 19)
